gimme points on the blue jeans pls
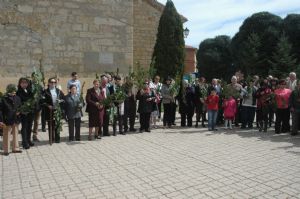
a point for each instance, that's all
(212, 118)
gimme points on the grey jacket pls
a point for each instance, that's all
(73, 106)
(167, 97)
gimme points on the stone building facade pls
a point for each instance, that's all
(86, 36)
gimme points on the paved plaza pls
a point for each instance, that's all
(166, 163)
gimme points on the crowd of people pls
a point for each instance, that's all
(112, 102)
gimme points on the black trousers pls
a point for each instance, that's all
(55, 132)
(247, 116)
(43, 119)
(295, 122)
(26, 121)
(282, 123)
(187, 117)
(167, 120)
(145, 121)
(199, 113)
(173, 112)
(159, 109)
(105, 124)
(74, 123)
(129, 118)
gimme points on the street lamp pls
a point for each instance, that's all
(186, 32)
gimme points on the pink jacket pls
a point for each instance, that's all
(229, 106)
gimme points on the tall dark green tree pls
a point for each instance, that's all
(292, 29)
(169, 47)
(268, 28)
(283, 61)
(250, 56)
(214, 58)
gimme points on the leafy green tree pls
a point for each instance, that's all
(292, 29)
(250, 56)
(268, 28)
(214, 58)
(169, 48)
(283, 61)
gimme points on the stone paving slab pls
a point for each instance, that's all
(166, 163)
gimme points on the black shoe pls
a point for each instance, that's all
(114, 134)
(71, 140)
(123, 133)
(148, 130)
(132, 130)
(43, 130)
(6, 154)
(31, 144)
(78, 139)
(174, 124)
(203, 125)
(17, 151)
(57, 141)
(141, 130)
(26, 147)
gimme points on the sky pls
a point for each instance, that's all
(210, 18)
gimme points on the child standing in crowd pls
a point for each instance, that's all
(212, 102)
(9, 119)
(229, 107)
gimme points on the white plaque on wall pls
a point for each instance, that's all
(106, 58)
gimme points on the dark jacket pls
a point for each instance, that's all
(25, 96)
(144, 105)
(48, 101)
(92, 98)
(295, 100)
(8, 110)
(72, 106)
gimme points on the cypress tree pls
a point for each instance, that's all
(169, 48)
(283, 61)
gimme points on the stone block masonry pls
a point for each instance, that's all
(83, 36)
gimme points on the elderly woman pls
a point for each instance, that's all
(73, 107)
(95, 108)
(167, 100)
(146, 99)
(9, 119)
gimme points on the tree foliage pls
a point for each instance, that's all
(214, 58)
(268, 28)
(249, 59)
(291, 26)
(169, 48)
(283, 61)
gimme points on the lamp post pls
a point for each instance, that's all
(186, 32)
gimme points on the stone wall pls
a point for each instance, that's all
(65, 35)
(146, 15)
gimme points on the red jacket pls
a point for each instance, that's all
(212, 102)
